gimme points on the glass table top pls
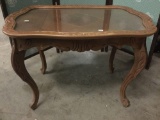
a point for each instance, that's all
(78, 20)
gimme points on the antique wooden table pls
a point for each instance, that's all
(78, 28)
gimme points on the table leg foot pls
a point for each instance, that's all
(18, 65)
(125, 102)
(140, 58)
(33, 106)
(111, 59)
(43, 59)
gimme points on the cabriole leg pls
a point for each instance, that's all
(17, 59)
(139, 64)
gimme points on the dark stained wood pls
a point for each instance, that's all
(155, 38)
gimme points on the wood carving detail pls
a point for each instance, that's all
(77, 45)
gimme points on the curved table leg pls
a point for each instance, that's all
(17, 59)
(139, 64)
(43, 59)
(111, 59)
